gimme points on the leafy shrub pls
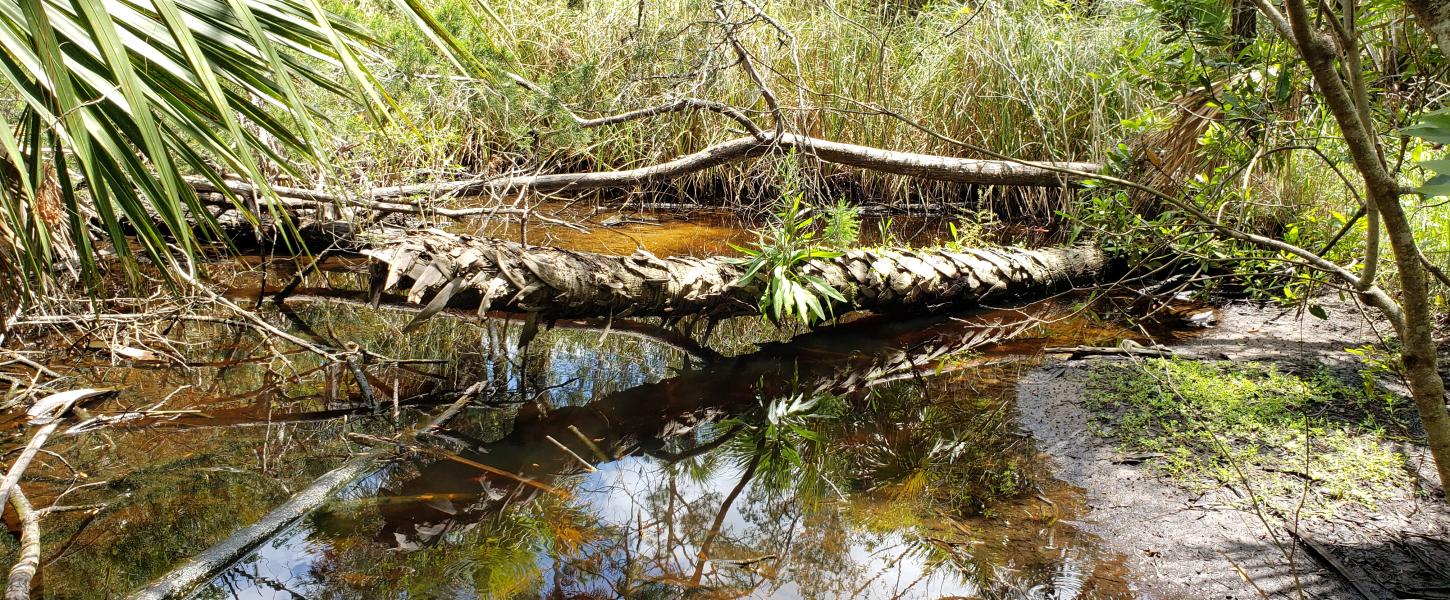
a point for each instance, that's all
(776, 261)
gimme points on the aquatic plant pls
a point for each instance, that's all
(842, 225)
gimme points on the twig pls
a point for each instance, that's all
(587, 466)
(256, 321)
(72, 508)
(678, 105)
(21, 358)
(1123, 350)
(749, 66)
(1244, 575)
(1328, 560)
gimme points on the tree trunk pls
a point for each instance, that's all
(1413, 320)
(1434, 16)
(448, 270)
(200, 568)
(1243, 25)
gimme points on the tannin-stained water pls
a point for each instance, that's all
(877, 458)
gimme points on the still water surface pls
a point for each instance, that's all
(878, 458)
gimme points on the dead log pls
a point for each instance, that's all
(441, 270)
(925, 166)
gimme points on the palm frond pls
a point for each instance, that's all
(118, 99)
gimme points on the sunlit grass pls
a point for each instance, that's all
(1028, 78)
(1209, 424)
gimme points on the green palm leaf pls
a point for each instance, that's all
(118, 99)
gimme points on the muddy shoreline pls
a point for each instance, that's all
(1182, 544)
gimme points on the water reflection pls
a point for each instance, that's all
(876, 459)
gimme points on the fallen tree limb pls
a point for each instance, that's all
(448, 270)
(938, 168)
(926, 166)
(292, 199)
(17, 586)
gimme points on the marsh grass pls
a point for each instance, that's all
(1030, 78)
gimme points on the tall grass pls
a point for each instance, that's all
(1031, 78)
(1037, 79)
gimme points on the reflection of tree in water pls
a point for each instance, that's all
(816, 469)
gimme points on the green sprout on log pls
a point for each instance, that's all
(776, 262)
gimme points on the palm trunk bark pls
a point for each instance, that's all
(446, 270)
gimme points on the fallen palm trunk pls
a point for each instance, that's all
(547, 445)
(448, 270)
(925, 166)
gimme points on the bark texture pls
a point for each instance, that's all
(1434, 16)
(448, 270)
(1413, 318)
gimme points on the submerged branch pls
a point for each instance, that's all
(202, 567)
(17, 587)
